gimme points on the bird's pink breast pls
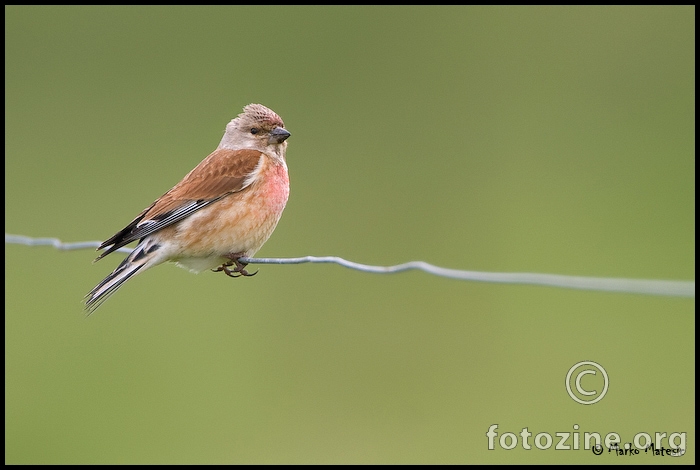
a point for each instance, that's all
(275, 187)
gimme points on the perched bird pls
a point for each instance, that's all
(223, 210)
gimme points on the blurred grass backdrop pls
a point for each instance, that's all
(554, 139)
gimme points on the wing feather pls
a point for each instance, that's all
(222, 173)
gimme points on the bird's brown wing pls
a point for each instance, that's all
(220, 174)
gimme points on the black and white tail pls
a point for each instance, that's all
(144, 256)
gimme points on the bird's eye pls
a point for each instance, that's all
(254, 130)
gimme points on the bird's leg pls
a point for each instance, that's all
(240, 266)
(239, 269)
(225, 268)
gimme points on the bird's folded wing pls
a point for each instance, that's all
(222, 173)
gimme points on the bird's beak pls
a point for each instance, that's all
(279, 135)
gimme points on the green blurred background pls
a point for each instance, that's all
(554, 140)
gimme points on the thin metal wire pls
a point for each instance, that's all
(56, 243)
(605, 284)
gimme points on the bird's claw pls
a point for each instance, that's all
(238, 271)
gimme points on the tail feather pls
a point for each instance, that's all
(143, 257)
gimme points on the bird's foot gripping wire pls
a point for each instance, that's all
(239, 269)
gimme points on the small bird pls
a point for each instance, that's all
(223, 210)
